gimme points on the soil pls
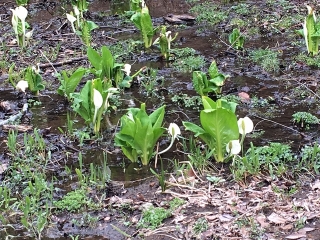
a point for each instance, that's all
(258, 207)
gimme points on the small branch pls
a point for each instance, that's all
(264, 119)
(57, 64)
(16, 116)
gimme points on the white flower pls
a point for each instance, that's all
(22, 86)
(76, 10)
(71, 19)
(21, 12)
(97, 102)
(127, 69)
(156, 41)
(245, 125)
(14, 21)
(29, 35)
(174, 130)
(233, 147)
(111, 91)
(36, 69)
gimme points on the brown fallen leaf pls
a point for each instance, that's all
(3, 167)
(316, 185)
(261, 219)
(275, 218)
(296, 236)
(225, 218)
(301, 233)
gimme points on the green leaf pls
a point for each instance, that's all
(221, 125)
(218, 80)
(136, 19)
(199, 80)
(208, 103)
(69, 84)
(107, 63)
(139, 133)
(194, 128)
(82, 102)
(156, 118)
(94, 58)
(213, 70)
(92, 25)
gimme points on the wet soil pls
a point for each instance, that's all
(256, 208)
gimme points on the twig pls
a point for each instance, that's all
(57, 64)
(48, 61)
(120, 231)
(16, 116)
(264, 119)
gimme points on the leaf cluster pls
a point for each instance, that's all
(203, 85)
(139, 133)
(219, 126)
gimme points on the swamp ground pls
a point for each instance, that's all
(272, 78)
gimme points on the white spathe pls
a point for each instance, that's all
(97, 102)
(127, 69)
(245, 125)
(233, 147)
(21, 13)
(22, 85)
(14, 21)
(29, 35)
(76, 10)
(174, 130)
(111, 91)
(71, 19)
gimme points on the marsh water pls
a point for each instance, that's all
(270, 105)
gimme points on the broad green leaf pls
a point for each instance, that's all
(208, 103)
(136, 19)
(156, 118)
(218, 80)
(194, 128)
(82, 102)
(213, 70)
(198, 80)
(92, 25)
(107, 63)
(222, 125)
(69, 84)
(139, 134)
(94, 58)
(146, 27)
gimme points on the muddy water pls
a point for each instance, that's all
(53, 116)
(52, 111)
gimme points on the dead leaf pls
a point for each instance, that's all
(296, 236)
(316, 185)
(3, 167)
(225, 218)
(287, 227)
(211, 217)
(301, 233)
(275, 218)
(261, 219)
(179, 218)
